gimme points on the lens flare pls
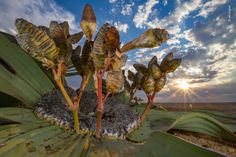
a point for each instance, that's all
(183, 84)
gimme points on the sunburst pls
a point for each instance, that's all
(183, 84)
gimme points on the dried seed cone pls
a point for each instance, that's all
(36, 42)
(88, 22)
(160, 83)
(86, 58)
(152, 61)
(112, 39)
(98, 52)
(75, 38)
(75, 58)
(131, 75)
(58, 35)
(45, 29)
(141, 67)
(150, 38)
(139, 78)
(167, 58)
(106, 41)
(148, 85)
(155, 71)
(65, 27)
(127, 86)
(114, 81)
(171, 66)
(118, 63)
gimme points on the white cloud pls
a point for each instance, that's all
(127, 9)
(173, 21)
(207, 50)
(113, 11)
(165, 2)
(210, 7)
(123, 27)
(112, 1)
(37, 12)
(143, 13)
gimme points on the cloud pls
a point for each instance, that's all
(143, 13)
(123, 27)
(210, 7)
(165, 2)
(207, 49)
(173, 21)
(37, 12)
(112, 1)
(127, 9)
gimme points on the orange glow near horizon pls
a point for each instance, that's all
(184, 90)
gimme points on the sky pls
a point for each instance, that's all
(202, 34)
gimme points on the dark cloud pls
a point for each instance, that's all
(219, 27)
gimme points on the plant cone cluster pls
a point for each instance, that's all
(102, 58)
(53, 48)
(151, 79)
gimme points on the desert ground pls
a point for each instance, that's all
(224, 107)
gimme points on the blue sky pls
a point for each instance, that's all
(203, 34)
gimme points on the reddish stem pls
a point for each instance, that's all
(107, 65)
(99, 75)
(148, 106)
(100, 106)
(85, 80)
(106, 96)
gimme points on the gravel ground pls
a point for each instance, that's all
(118, 119)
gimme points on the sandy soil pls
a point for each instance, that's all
(225, 107)
(223, 147)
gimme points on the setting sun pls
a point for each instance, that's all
(183, 84)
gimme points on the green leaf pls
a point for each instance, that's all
(202, 123)
(121, 97)
(158, 145)
(20, 75)
(156, 121)
(165, 145)
(225, 117)
(19, 115)
(34, 137)
(7, 100)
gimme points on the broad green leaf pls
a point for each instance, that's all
(4, 121)
(13, 130)
(121, 97)
(25, 143)
(18, 114)
(156, 121)
(202, 123)
(225, 117)
(158, 145)
(165, 145)
(7, 100)
(20, 75)
(34, 137)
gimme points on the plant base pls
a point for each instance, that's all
(117, 121)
